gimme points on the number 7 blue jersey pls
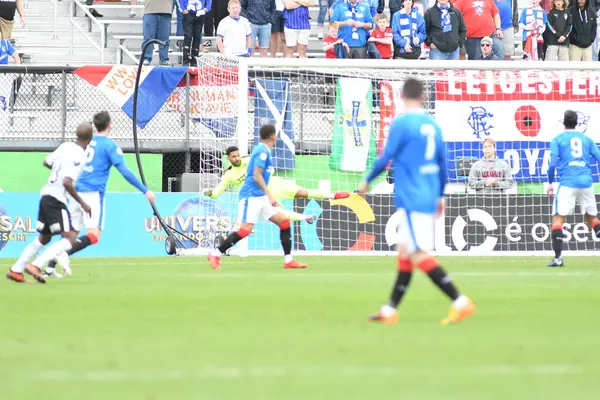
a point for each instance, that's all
(418, 153)
(572, 152)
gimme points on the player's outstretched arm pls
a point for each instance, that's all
(595, 151)
(219, 189)
(553, 160)
(131, 178)
(391, 149)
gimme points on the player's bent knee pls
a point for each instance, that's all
(244, 232)
(428, 264)
(284, 225)
(93, 236)
(405, 265)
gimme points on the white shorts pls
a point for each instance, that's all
(294, 37)
(508, 37)
(567, 197)
(251, 209)
(415, 230)
(79, 219)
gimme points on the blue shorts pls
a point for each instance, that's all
(263, 32)
(278, 22)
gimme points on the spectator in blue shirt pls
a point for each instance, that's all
(509, 24)
(408, 27)
(193, 12)
(355, 22)
(7, 50)
(296, 26)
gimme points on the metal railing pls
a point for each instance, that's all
(74, 4)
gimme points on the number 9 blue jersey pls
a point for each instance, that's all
(101, 154)
(418, 153)
(572, 152)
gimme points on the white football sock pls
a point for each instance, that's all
(216, 253)
(461, 302)
(51, 252)
(288, 258)
(387, 310)
(27, 255)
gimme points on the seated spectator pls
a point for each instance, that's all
(584, 31)
(381, 42)
(446, 31)
(157, 25)
(490, 174)
(487, 49)
(533, 22)
(333, 46)
(234, 32)
(7, 16)
(355, 21)
(297, 26)
(260, 13)
(560, 23)
(193, 12)
(408, 27)
(7, 50)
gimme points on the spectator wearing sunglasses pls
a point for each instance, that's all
(487, 52)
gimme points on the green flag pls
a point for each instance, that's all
(353, 140)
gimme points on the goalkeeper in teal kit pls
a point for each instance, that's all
(572, 153)
(417, 150)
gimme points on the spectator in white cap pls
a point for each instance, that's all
(487, 52)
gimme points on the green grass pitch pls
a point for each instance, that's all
(172, 328)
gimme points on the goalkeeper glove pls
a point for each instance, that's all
(207, 192)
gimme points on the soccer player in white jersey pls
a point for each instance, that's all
(101, 155)
(572, 153)
(257, 202)
(417, 150)
(66, 163)
(281, 189)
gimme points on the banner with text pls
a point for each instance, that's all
(521, 110)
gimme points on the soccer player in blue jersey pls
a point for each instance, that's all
(101, 154)
(417, 150)
(572, 153)
(257, 202)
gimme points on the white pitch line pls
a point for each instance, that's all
(211, 371)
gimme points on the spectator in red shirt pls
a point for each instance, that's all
(333, 46)
(380, 44)
(482, 19)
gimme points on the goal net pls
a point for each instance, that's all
(332, 120)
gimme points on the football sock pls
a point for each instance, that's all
(232, 239)
(596, 227)
(557, 240)
(52, 251)
(405, 270)
(285, 235)
(294, 216)
(439, 277)
(318, 194)
(28, 254)
(81, 243)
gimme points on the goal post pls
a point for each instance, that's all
(333, 117)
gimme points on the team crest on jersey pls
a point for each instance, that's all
(479, 121)
(478, 6)
(263, 156)
(357, 122)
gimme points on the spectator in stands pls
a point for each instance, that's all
(487, 49)
(277, 28)
(333, 46)
(7, 50)
(179, 14)
(490, 174)
(355, 22)
(560, 23)
(157, 25)
(7, 16)
(193, 12)
(234, 32)
(93, 11)
(584, 31)
(533, 22)
(446, 31)
(324, 6)
(260, 13)
(381, 42)
(296, 26)
(509, 23)
(408, 27)
(218, 11)
(482, 19)
(132, 11)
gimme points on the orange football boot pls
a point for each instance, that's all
(294, 265)
(215, 262)
(389, 320)
(456, 315)
(35, 272)
(16, 276)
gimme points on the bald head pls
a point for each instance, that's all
(84, 134)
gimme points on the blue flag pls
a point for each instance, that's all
(272, 105)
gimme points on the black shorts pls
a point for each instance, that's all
(53, 217)
(277, 26)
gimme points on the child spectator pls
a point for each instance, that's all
(533, 21)
(333, 46)
(381, 42)
(560, 23)
(193, 22)
(234, 32)
(408, 27)
(584, 31)
(6, 50)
